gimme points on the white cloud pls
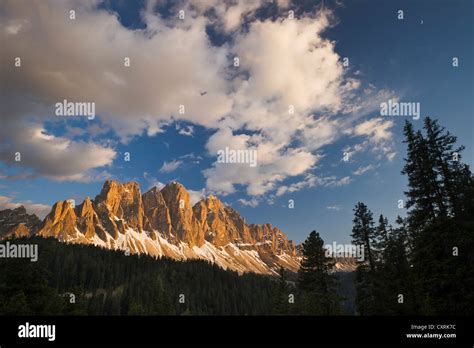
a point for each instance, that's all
(273, 164)
(334, 207)
(391, 155)
(364, 169)
(377, 129)
(378, 134)
(233, 15)
(229, 14)
(361, 104)
(13, 27)
(333, 181)
(321, 132)
(128, 99)
(54, 157)
(196, 196)
(311, 181)
(187, 130)
(309, 76)
(253, 202)
(284, 3)
(173, 63)
(352, 150)
(41, 210)
(191, 157)
(169, 167)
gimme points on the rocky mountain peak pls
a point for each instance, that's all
(18, 211)
(175, 191)
(86, 208)
(163, 223)
(113, 193)
(157, 213)
(213, 203)
(121, 202)
(17, 223)
(60, 222)
(178, 203)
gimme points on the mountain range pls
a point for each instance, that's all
(162, 222)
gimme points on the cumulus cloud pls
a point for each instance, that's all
(181, 59)
(274, 164)
(41, 210)
(309, 76)
(283, 101)
(232, 16)
(300, 102)
(54, 157)
(83, 60)
(277, 108)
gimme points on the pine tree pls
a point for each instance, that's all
(363, 232)
(381, 237)
(403, 229)
(445, 158)
(315, 279)
(440, 221)
(280, 294)
(423, 193)
(17, 304)
(394, 275)
(364, 235)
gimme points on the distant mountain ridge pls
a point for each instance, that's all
(162, 223)
(17, 223)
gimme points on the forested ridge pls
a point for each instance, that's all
(108, 282)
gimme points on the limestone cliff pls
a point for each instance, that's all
(163, 223)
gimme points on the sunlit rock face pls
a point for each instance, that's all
(161, 223)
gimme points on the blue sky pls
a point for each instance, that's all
(408, 60)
